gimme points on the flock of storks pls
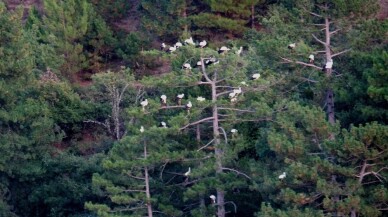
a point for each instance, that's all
(232, 95)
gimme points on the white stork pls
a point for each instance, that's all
(237, 91)
(188, 172)
(189, 41)
(255, 76)
(202, 44)
(239, 51)
(186, 66)
(178, 44)
(144, 103)
(223, 50)
(188, 106)
(163, 124)
(200, 99)
(292, 46)
(311, 58)
(179, 98)
(213, 199)
(282, 176)
(163, 100)
(172, 49)
(163, 46)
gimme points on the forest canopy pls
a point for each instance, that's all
(193, 108)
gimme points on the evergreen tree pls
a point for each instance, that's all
(165, 19)
(26, 127)
(228, 16)
(65, 24)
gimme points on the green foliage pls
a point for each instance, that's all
(163, 18)
(227, 16)
(51, 130)
(64, 188)
(213, 22)
(65, 24)
(112, 10)
(377, 77)
(99, 42)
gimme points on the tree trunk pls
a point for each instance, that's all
(329, 101)
(218, 151)
(353, 213)
(147, 184)
(202, 205)
(116, 113)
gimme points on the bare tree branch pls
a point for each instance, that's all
(320, 41)
(172, 106)
(224, 93)
(129, 190)
(339, 53)
(301, 63)
(234, 109)
(204, 71)
(234, 205)
(135, 177)
(312, 13)
(335, 31)
(236, 171)
(128, 209)
(206, 145)
(223, 132)
(197, 122)
(309, 80)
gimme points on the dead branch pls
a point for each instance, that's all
(339, 53)
(320, 41)
(197, 122)
(223, 131)
(206, 145)
(301, 63)
(224, 93)
(335, 31)
(135, 177)
(233, 109)
(236, 171)
(204, 71)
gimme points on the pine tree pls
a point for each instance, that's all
(227, 15)
(331, 17)
(217, 102)
(26, 125)
(65, 24)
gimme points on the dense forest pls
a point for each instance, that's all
(262, 108)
